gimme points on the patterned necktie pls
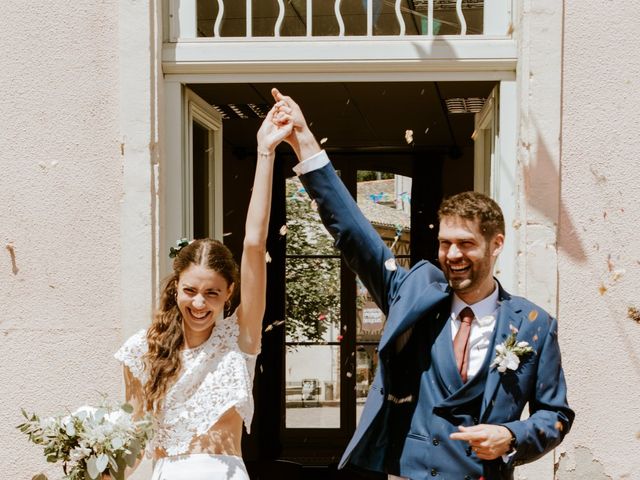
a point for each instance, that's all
(461, 342)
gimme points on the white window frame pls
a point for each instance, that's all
(183, 108)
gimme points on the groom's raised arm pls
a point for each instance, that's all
(363, 249)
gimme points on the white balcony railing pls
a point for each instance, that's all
(215, 20)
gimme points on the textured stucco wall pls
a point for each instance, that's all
(599, 250)
(62, 195)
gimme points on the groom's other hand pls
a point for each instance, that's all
(487, 441)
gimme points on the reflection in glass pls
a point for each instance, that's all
(366, 364)
(385, 199)
(201, 177)
(312, 396)
(305, 233)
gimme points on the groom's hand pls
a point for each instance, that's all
(487, 441)
(301, 139)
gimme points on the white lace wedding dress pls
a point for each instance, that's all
(215, 377)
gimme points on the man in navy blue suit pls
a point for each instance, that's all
(459, 357)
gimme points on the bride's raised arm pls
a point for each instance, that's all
(253, 268)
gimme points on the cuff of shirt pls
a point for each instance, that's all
(314, 162)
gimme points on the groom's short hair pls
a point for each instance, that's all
(475, 206)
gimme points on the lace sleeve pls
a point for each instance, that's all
(130, 354)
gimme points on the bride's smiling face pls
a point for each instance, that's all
(201, 297)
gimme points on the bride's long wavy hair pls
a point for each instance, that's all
(165, 336)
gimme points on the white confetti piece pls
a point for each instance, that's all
(390, 265)
(226, 234)
(269, 327)
(323, 140)
(283, 230)
(408, 136)
(267, 257)
(349, 374)
(431, 226)
(314, 205)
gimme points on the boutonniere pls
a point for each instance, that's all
(509, 353)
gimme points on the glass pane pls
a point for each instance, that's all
(305, 233)
(366, 364)
(385, 199)
(369, 318)
(312, 299)
(312, 397)
(201, 200)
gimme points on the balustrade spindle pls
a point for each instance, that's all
(403, 27)
(278, 25)
(216, 26)
(336, 9)
(463, 22)
(249, 27)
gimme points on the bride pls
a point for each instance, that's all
(193, 367)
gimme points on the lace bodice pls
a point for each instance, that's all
(216, 376)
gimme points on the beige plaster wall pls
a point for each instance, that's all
(66, 294)
(598, 246)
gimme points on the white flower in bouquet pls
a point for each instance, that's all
(91, 441)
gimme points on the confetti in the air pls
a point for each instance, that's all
(533, 314)
(226, 234)
(267, 257)
(408, 136)
(339, 338)
(323, 140)
(283, 230)
(314, 205)
(390, 264)
(349, 374)
(615, 276)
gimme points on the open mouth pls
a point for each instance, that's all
(203, 315)
(459, 269)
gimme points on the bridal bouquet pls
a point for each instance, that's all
(90, 442)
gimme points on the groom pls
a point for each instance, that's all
(445, 402)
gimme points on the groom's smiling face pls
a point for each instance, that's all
(467, 257)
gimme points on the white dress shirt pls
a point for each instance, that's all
(484, 321)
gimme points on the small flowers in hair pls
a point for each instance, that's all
(180, 244)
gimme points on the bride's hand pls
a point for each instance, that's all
(271, 133)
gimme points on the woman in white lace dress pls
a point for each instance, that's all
(193, 367)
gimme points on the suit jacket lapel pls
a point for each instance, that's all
(508, 316)
(442, 354)
(400, 321)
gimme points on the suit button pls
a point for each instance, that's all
(468, 451)
(434, 472)
(436, 442)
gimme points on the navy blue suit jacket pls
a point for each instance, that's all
(409, 296)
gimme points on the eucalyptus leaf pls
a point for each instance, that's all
(127, 407)
(117, 443)
(92, 467)
(39, 476)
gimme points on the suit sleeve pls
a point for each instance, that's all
(550, 416)
(362, 248)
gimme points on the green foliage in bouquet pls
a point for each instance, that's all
(91, 441)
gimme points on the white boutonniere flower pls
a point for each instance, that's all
(509, 353)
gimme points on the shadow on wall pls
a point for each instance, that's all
(546, 199)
